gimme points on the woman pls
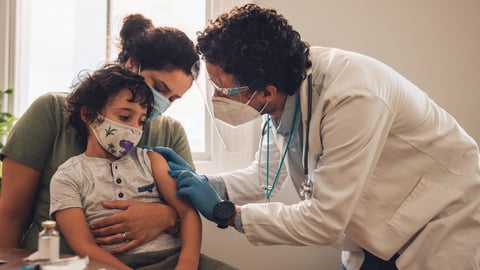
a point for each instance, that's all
(41, 141)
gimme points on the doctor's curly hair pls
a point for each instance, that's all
(257, 46)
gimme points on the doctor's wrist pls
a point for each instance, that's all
(237, 221)
(217, 183)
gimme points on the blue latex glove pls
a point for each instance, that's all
(176, 167)
(198, 190)
(174, 161)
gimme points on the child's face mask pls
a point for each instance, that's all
(115, 138)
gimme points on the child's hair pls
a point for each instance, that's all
(92, 90)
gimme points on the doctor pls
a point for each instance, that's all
(377, 163)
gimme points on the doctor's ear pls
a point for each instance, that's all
(270, 91)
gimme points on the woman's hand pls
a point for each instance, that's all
(139, 223)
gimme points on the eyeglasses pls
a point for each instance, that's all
(229, 91)
(221, 90)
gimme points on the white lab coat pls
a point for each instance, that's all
(392, 171)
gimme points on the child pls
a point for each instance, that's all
(109, 107)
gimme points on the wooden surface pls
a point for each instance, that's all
(14, 258)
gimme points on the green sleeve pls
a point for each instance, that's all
(41, 140)
(168, 132)
(32, 136)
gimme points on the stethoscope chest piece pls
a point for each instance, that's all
(306, 190)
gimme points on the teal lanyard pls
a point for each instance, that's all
(269, 189)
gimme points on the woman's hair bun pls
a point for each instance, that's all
(134, 25)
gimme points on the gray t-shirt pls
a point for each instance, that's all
(85, 182)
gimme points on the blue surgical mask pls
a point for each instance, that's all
(160, 104)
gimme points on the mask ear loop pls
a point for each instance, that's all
(250, 99)
(262, 109)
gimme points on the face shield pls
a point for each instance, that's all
(230, 118)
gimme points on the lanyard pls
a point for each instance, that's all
(270, 187)
(306, 190)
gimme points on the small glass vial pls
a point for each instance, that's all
(49, 241)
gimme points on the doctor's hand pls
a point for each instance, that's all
(139, 221)
(198, 190)
(175, 162)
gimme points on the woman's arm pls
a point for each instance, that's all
(17, 194)
(22, 167)
(74, 227)
(191, 229)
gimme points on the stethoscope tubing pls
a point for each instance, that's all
(266, 129)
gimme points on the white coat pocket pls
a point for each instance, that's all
(425, 201)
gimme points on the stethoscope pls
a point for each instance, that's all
(306, 189)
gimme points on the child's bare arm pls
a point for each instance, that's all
(191, 227)
(74, 227)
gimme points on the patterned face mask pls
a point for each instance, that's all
(115, 138)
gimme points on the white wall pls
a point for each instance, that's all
(434, 43)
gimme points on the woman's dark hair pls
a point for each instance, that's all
(257, 46)
(93, 90)
(159, 48)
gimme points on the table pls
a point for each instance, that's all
(14, 258)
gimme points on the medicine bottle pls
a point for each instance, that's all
(49, 241)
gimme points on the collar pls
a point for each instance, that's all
(284, 123)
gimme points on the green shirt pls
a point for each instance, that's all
(41, 139)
